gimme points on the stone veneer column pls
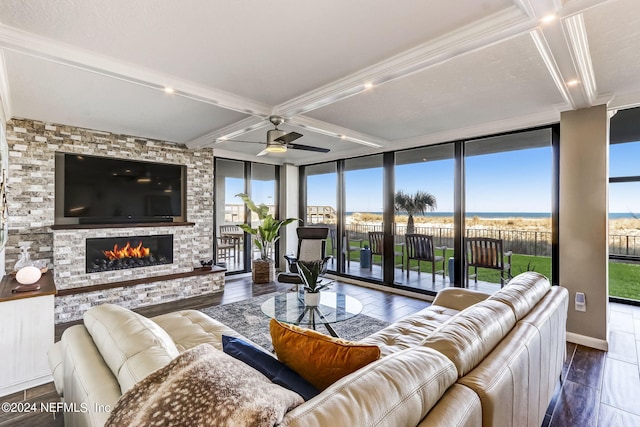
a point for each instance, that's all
(31, 199)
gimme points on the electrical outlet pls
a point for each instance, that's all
(581, 302)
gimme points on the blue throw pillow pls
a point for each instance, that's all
(267, 365)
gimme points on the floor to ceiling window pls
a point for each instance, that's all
(363, 201)
(232, 177)
(508, 207)
(495, 197)
(424, 191)
(624, 220)
(322, 203)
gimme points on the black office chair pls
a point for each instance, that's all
(312, 242)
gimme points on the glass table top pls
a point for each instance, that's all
(290, 308)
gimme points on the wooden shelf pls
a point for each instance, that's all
(121, 225)
(9, 282)
(123, 284)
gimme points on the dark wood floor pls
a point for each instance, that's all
(600, 389)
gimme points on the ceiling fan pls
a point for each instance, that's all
(278, 141)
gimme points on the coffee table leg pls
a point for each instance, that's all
(325, 323)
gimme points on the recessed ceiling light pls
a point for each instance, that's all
(169, 90)
(572, 82)
(549, 18)
(343, 137)
(368, 85)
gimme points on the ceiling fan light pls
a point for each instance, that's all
(274, 147)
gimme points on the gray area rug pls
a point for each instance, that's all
(247, 318)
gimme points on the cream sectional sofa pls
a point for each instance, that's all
(469, 359)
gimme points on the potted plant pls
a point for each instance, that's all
(266, 235)
(310, 273)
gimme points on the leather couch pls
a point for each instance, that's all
(469, 359)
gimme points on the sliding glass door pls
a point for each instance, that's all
(424, 189)
(509, 193)
(322, 203)
(233, 248)
(363, 201)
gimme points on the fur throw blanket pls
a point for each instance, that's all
(204, 387)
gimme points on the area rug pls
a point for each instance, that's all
(247, 318)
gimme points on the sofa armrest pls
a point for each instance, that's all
(458, 298)
(55, 356)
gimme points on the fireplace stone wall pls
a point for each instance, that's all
(31, 202)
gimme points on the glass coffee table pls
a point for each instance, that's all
(290, 308)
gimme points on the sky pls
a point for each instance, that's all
(514, 181)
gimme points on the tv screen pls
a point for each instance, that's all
(101, 189)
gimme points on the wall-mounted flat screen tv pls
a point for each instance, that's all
(100, 190)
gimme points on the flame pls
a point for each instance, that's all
(127, 252)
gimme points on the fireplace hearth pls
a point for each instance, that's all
(121, 253)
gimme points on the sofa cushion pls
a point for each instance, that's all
(523, 292)
(410, 331)
(397, 390)
(204, 387)
(318, 358)
(130, 344)
(269, 366)
(189, 328)
(468, 337)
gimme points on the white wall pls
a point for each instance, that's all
(584, 250)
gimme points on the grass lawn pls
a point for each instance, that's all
(624, 279)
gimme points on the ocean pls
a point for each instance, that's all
(612, 215)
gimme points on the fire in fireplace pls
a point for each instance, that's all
(119, 253)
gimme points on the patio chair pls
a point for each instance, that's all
(376, 242)
(312, 242)
(420, 248)
(485, 252)
(225, 249)
(350, 246)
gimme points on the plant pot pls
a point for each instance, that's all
(263, 271)
(311, 299)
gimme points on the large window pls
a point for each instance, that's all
(233, 177)
(322, 202)
(424, 192)
(508, 188)
(624, 220)
(403, 216)
(363, 201)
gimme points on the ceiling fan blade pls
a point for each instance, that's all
(289, 137)
(263, 153)
(308, 148)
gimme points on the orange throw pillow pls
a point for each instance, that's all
(318, 358)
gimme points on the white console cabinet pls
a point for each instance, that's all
(26, 333)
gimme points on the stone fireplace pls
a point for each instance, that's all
(31, 193)
(120, 253)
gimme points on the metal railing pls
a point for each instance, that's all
(523, 242)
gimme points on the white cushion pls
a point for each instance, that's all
(130, 344)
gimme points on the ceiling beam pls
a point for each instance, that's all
(228, 132)
(576, 35)
(492, 29)
(336, 131)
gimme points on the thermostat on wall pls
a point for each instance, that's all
(581, 303)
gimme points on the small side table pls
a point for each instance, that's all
(26, 333)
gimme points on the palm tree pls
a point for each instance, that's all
(414, 204)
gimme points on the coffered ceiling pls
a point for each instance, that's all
(357, 77)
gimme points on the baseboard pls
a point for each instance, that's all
(596, 343)
(389, 289)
